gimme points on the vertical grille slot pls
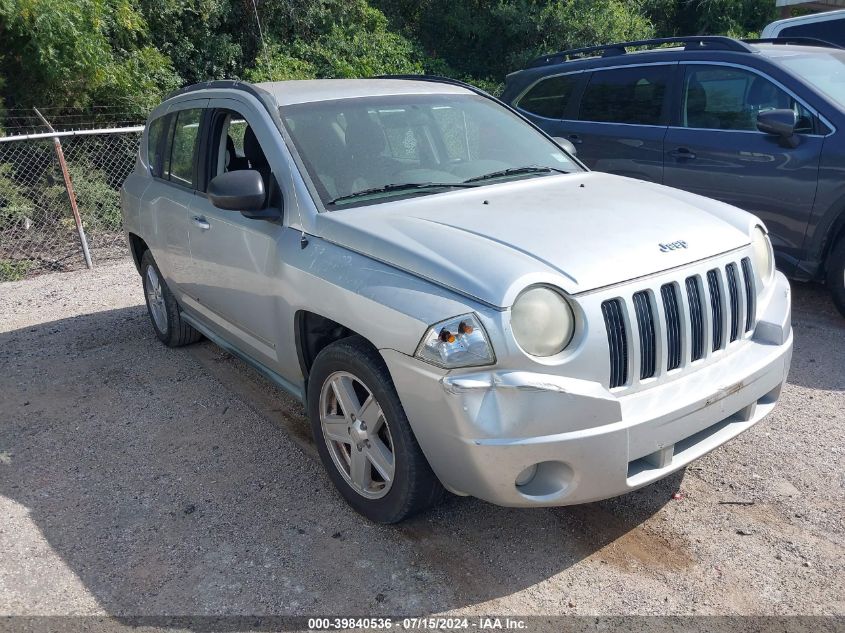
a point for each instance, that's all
(617, 340)
(673, 325)
(696, 313)
(645, 324)
(750, 307)
(715, 308)
(733, 293)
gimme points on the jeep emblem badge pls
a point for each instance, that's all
(672, 246)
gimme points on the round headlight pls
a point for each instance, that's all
(542, 321)
(764, 257)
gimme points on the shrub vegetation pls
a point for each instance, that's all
(79, 53)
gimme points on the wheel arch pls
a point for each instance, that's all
(137, 246)
(835, 234)
(314, 332)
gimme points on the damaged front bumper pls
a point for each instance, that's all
(520, 438)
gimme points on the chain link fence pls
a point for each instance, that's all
(38, 232)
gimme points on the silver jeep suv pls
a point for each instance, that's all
(459, 303)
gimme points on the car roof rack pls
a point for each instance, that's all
(718, 42)
(262, 95)
(234, 84)
(801, 41)
(440, 79)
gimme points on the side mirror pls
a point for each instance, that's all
(779, 123)
(241, 190)
(566, 144)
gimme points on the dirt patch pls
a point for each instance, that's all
(636, 547)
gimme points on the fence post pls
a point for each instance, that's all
(69, 188)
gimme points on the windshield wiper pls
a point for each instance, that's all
(407, 186)
(514, 171)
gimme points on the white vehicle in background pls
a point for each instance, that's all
(829, 26)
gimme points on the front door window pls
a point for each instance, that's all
(725, 98)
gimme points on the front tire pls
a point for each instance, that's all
(363, 436)
(162, 308)
(836, 275)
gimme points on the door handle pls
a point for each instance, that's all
(574, 138)
(682, 152)
(201, 222)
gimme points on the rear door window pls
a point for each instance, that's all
(549, 97)
(157, 145)
(184, 148)
(633, 95)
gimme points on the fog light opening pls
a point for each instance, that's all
(545, 480)
(526, 475)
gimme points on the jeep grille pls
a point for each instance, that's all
(690, 320)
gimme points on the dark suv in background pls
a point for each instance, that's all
(757, 124)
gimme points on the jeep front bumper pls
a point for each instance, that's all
(482, 431)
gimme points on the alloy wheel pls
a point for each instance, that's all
(357, 435)
(155, 299)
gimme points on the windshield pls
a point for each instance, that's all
(375, 149)
(824, 70)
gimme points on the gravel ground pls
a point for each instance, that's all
(140, 480)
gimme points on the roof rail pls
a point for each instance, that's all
(262, 95)
(235, 84)
(801, 41)
(435, 79)
(609, 50)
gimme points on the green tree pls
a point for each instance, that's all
(71, 53)
(130, 53)
(478, 39)
(737, 18)
(347, 39)
(203, 38)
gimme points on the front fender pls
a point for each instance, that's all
(389, 307)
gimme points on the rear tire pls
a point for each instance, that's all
(162, 308)
(836, 275)
(363, 436)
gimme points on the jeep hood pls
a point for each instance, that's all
(579, 231)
